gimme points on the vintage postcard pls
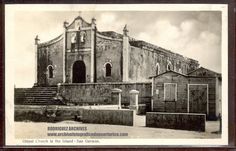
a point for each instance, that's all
(92, 75)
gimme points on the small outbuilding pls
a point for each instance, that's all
(196, 92)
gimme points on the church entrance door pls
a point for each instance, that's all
(79, 72)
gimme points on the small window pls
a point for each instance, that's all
(50, 71)
(157, 69)
(170, 91)
(82, 36)
(168, 67)
(108, 70)
(73, 41)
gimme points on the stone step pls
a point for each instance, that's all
(35, 91)
(39, 94)
(44, 88)
(40, 91)
(30, 94)
(36, 95)
(42, 102)
(39, 98)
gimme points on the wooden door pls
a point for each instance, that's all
(198, 98)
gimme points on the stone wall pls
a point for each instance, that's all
(108, 51)
(37, 113)
(81, 53)
(107, 47)
(182, 121)
(143, 62)
(50, 54)
(19, 95)
(72, 57)
(100, 93)
(115, 117)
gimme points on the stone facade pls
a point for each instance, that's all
(49, 56)
(108, 52)
(101, 93)
(82, 54)
(102, 61)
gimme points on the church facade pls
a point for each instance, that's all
(82, 54)
(84, 65)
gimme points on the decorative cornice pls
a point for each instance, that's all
(60, 37)
(108, 38)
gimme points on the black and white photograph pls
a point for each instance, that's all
(84, 75)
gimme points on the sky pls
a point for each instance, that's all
(194, 34)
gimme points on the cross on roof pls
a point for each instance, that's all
(80, 13)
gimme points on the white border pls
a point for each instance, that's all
(10, 10)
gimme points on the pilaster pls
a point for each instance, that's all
(36, 59)
(64, 52)
(93, 30)
(125, 55)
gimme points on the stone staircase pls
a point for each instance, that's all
(36, 96)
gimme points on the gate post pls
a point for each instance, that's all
(134, 100)
(118, 92)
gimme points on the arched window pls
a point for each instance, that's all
(108, 70)
(73, 41)
(108, 67)
(82, 36)
(169, 65)
(157, 69)
(50, 71)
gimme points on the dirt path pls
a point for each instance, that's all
(40, 130)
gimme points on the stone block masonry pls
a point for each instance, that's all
(100, 93)
(46, 113)
(115, 117)
(181, 121)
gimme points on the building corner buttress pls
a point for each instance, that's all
(36, 60)
(93, 32)
(64, 52)
(125, 52)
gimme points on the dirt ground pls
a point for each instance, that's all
(40, 130)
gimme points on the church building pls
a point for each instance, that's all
(83, 54)
(84, 65)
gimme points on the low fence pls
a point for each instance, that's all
(50, 113)
(115, 117)
(108, 114)
(101, 93)
(182, 121)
